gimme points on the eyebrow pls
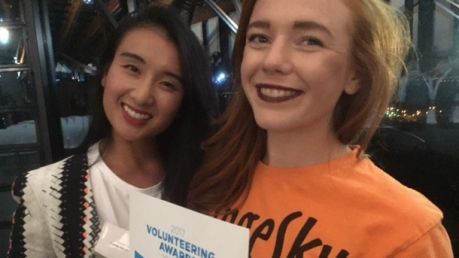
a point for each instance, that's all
(259, 24)
(176, 76)
(133, 56)
(297, 25)
(311, 25)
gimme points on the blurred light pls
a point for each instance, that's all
(4, 36)
(220, 78)
(88, 1)
(90, 69)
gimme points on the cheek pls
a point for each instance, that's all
(246, 73)
(249, 64)
(177, 103)
(331, 70)
(243, 72)
(108, 106)
(109, 83)
(171, 104)
(106, 96)
(109, 94)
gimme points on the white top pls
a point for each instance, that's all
(111, 193)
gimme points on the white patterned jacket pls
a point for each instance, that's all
(56, 215)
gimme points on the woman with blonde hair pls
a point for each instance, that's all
(313, 80)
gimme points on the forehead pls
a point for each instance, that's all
(145, 35)
(152, 46)
(334, 14)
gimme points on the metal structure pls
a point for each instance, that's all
(222, 15)
(27, 98)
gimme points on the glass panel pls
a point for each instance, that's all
(15, 89)
(419, 141)
(447, 99)
(74, 129)
(12, 164)
(4, 236)
(72, 93)
(17, 127)
(12, 46)
(8, 206)
(10, 11)
(6, 212)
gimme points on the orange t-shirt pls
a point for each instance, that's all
(344, 208)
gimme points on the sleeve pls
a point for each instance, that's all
(29, 235)
(435, 243)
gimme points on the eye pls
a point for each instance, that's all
(131, 68)
(257, 39)
(311, 41)
(170, 86)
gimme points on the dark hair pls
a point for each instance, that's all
(179, 145)
(380, 42)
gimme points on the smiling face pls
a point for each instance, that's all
(142, 87)
(296, 63)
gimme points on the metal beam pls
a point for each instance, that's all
(49, 132)
(71, 17)
(237, 5)
(409, 9)
(222, 15)
(448, 10)
(425, 33)
(103, 8)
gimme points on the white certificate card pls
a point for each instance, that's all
(159, 229)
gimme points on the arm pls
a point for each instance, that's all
(435, 243)
(29, 234)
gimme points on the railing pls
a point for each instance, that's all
(448, 10)
(222, 15)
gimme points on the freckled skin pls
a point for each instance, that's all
(314, 61)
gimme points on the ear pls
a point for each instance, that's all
(353, 85)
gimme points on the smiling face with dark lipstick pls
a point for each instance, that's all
(297, 63)
(142, 87)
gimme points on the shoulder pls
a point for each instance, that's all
(434, 243)
(396, 209)
(42, 178)
(397, 198)
(36, 177)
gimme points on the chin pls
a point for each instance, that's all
(274, 125)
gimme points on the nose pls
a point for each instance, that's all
(277, 58)
(142, 92)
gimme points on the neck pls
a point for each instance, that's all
(302, 148)
(137, 163)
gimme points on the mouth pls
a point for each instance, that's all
(276, 94)
(135, 116)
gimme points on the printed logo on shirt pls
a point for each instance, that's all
(264, 231)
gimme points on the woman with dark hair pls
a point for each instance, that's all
(152, 110)
(313, 80)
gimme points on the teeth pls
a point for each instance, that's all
(134, 114)
(277, 93)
